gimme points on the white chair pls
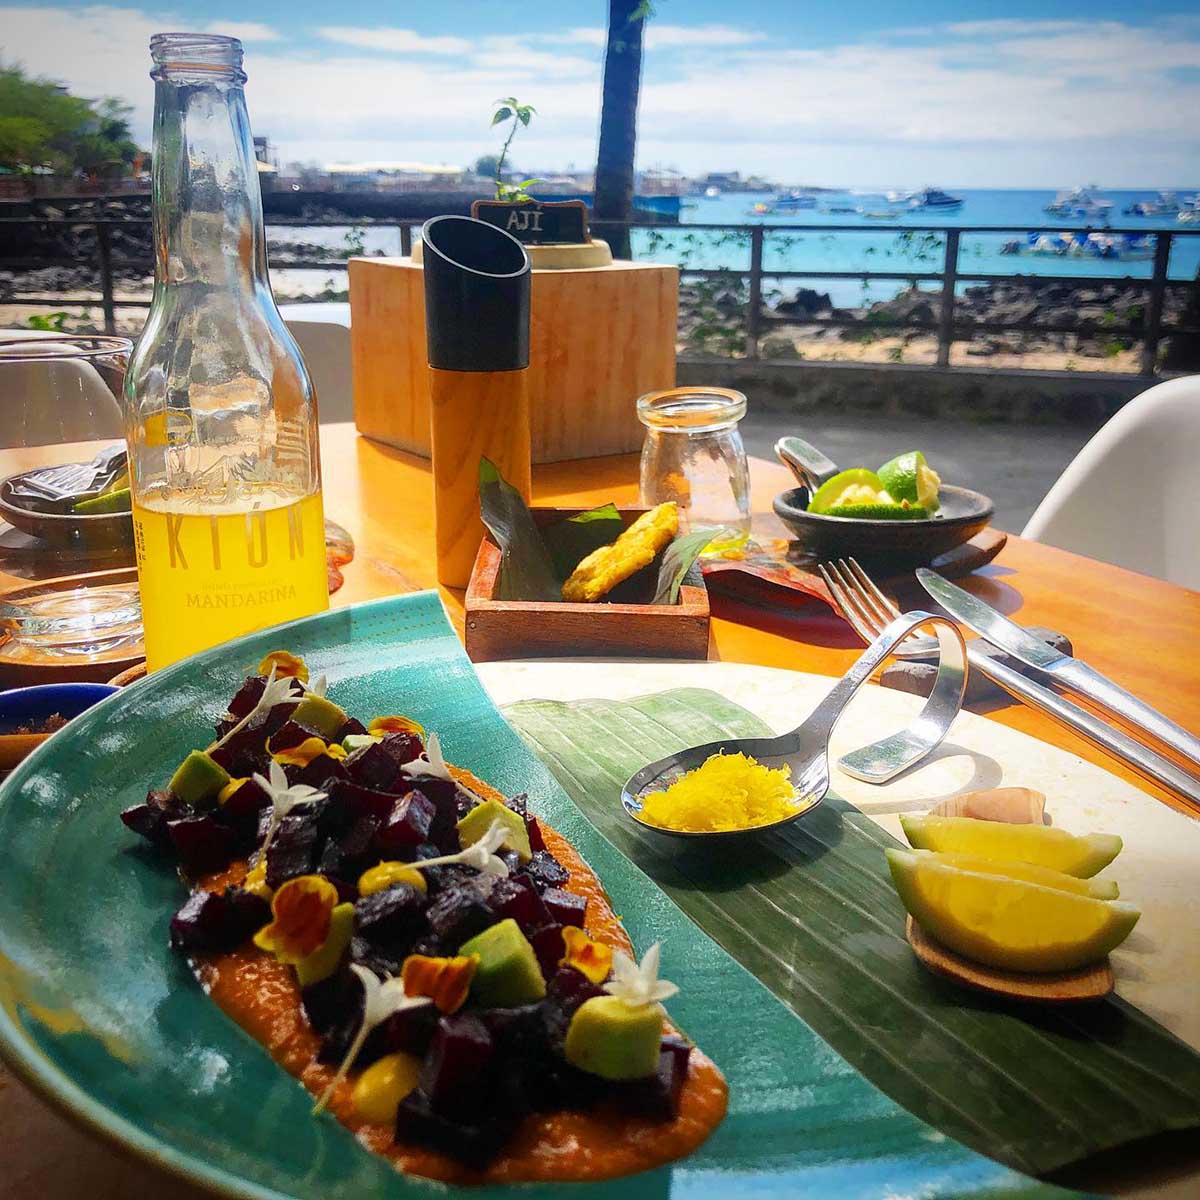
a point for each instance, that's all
(322, 331)
(1132, 494)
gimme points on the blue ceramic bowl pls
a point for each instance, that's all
(32, 705)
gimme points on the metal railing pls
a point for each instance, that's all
(948, 327)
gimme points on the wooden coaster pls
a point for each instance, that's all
(1063, 987)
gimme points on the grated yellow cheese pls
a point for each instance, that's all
(728, 791)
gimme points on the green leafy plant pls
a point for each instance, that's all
(55, 322)
(355, 241)
(511, 109)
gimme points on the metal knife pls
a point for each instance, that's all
(1061, 668)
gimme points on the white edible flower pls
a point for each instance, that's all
(275, 691)
(283, 798)
(481, 854)
(317, 687)
(638, 984)
(380, 1001)
(432, 763)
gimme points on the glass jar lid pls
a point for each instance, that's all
(691, 409)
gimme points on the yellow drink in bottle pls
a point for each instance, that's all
(208, 575)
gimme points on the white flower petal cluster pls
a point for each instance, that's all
(283, 797)
(481, 854)
(277, 690)
(638, 984)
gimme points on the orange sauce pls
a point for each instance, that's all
(262, 996)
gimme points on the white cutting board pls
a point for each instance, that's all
(1158, 967)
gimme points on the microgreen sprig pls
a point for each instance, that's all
(283, 797)
(380, 1001)
(638, 984)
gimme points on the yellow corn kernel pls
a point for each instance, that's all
(380, 1088)
(388, 874)
(284, 664)
(256, 881)
(591, 959)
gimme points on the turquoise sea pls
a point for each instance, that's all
(898, 246)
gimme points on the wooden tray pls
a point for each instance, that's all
(503, 629)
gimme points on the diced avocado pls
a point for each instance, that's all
(198, 778)
(315, 712)
(356, 741)
(508, 973)
(323, 961)
(479, 820)
(615, 1040)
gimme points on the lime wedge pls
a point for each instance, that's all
(1098, 889)
(110, 502)
(855, 486)
(1008, 923)
(909, 477)
(1042, 845)
(879, 512)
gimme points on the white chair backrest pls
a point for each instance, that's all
(1132, 494)
(322, 331)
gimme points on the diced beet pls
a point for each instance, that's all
(246, 802)
(321, 773)
(444, 794)
(383, 960)
(565, 907)
(408, 824)
(548, 945)
(657, 1096)
(352, 728)
(393, 918)
(519, 804)
(519, 1033)
(546, 871)
(516, 897)
(536, 841)
(211, 922)
(455, 1074)
(294, 850)
(459, 913)
(568, 988)
(402, 748)
(474, 1145)
(348, 854)
(149, 819)
(373, 767)
(291, 734)
(510, 858)
(327, 1002)
(244, 754)
(349, 800)
(248, 695)
(411, 1029)
(201, 843)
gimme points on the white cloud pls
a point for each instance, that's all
(395, 41)
(1043, 105)
(246, 31)
(661, 37)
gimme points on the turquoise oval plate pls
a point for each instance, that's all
(100, 1016)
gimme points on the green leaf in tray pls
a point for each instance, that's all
(677, 561)
(526, 571)
(572, 540)
(811, 912)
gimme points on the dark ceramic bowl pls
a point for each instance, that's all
(889, 543)
(30, 706)
(97, 531)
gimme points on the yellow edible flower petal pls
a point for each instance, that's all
(388, 874)
(396, 725)
(591, 959)
(256, 880)
(446, 981)
(304, 753)
(380, 1088)
(285, 664)
(224, 795)
(302, 908)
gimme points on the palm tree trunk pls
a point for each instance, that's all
(618, 121)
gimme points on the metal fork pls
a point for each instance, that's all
(868, 610)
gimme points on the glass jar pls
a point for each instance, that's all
(693, 454)
(221, 420)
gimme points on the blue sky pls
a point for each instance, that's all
(862, 94)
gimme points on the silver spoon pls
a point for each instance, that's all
(806, 749)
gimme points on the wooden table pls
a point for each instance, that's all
(1140, 631)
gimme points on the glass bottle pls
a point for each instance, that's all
(693, 454)
(221, 418)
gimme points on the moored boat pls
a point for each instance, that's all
(1079, 202)
(932, 197)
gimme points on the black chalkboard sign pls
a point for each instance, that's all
(537, 222)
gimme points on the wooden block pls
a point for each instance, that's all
(503, 629)
(599, 338)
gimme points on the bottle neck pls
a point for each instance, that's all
(208, 223)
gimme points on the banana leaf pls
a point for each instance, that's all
(572, 540)
(811, 912)
(526, 572)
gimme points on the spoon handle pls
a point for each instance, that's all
(810, 467)
(887, 758)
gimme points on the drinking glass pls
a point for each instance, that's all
(693, 454)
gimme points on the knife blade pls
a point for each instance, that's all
(1061, 668)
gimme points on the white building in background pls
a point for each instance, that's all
(395, 176)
